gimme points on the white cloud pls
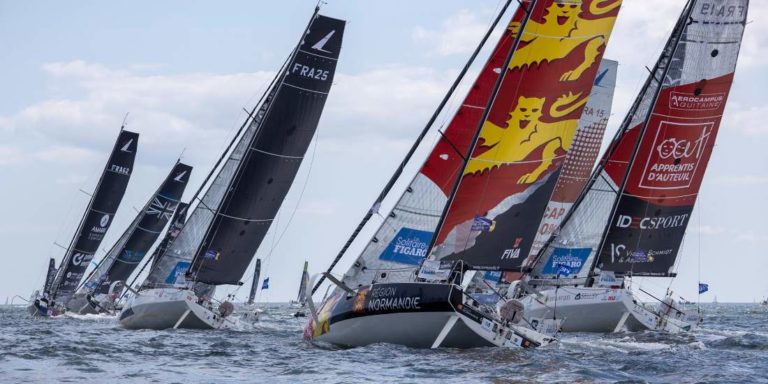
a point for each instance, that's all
(201, 111)
(459, 33)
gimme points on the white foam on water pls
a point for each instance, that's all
(90, 316)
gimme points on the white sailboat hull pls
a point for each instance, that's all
(166, 309)
(600, 310)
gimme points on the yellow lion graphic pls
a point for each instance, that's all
(562, 31)
(525, 132)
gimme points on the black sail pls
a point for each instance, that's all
(50, 275)
(255, 282)
(139, 237)
(98, 217)
(273, 157)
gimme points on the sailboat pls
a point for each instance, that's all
(631, 218)
(301, 297)
(255, 282)
(105, 284)
(60, 284)
(232, 217)
(474, 193)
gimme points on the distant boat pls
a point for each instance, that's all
(234, 214)
(301, 298)
(105, 284)
(255, 282)
(60, 284)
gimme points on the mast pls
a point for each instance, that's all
(398, 172)
(255, 282)
(486, 112)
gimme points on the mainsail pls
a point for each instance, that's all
(632, 217)
(98, 216)
(517, 157)
(401, 241)
(120, 262)
(269, 166)
(231, 219)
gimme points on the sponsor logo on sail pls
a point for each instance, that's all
(104, 221)
(660, 222)
(177, 274)
(689, 102)
(78, 258)
(572, 259)
(409, 246)
(514, 252)
(620, 253)
(675, 155)
(320, 45)
(127, 146)
(179, 177)
(483, 224)
(211, 254)
(121, 170)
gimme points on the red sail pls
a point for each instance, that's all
(493, 216)
(667, 165)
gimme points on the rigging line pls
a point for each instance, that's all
(396, 176)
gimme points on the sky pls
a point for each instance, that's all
(184, 71)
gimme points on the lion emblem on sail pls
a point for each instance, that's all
(525, 132)
(562, 31)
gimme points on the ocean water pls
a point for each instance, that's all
(732, 347)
